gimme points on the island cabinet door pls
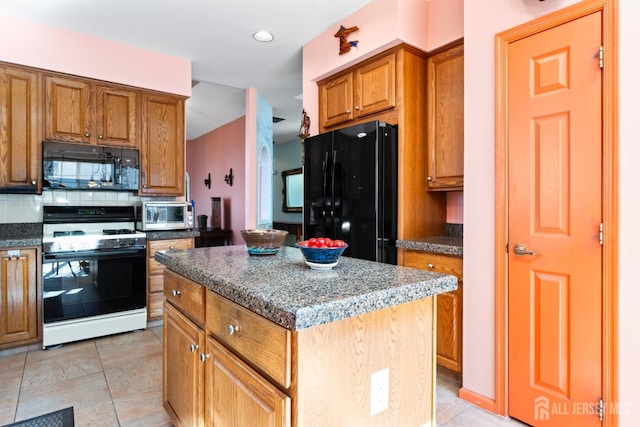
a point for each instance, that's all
(183, 370)
(237, 396)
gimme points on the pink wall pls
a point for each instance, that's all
(216, 152)
(481, 25)
(382, 24)
(49, 48)
(250, 159)
(455, 203)
(629, 250)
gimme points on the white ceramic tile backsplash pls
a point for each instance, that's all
(28, 207)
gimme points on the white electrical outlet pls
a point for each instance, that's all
(379, 395)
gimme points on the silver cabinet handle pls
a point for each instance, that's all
(100, 136)
(357, 108)
(175, 292)
(429, 265)
(521, 250)
(348, 111)
(232, 329)
(429, 178)
(171, 247)
(204, 356)
(33, 183)
(193, 347)
(87, 134)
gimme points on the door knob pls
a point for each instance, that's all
(521, 250)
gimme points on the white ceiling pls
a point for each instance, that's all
(216, 36)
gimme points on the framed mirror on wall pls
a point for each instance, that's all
(292, 190)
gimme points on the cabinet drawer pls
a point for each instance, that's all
(154, 246)
(263, 344)
(155, 302)
(432, 262)
(156, 283)
(168, 245)
(186, 295)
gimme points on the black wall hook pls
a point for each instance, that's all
(229, 178)
(207, 181)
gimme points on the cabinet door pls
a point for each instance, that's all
(18, 296)
(449, 330)
(449, 307)
(20, 134)
(445, 110)
(236, 395)
(183, 372)
(162, 145)
(69, 111)
(336, 100)
(375, 86)
(116, 116)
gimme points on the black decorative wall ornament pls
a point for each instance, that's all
(229, 177)
(207, 181)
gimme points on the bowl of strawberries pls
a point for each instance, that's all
(322, 253)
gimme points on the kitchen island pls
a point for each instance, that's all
(265, 340)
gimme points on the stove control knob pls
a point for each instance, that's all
(122, 242)
(132, 242)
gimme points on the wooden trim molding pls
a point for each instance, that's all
(477, 399)
(609, 9)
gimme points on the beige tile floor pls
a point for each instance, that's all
(117, 381)
(451, 411)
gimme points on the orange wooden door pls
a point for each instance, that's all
(555, 200)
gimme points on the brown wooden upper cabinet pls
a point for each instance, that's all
(445, 122)
(162, 145)
(368, 88)
(81, 110)
(20, 133)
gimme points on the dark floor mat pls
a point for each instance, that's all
(61, 418)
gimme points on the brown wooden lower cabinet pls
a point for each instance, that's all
(237, 395)
(155, 270)
(449, 309)
(236, 368)
(183, 374)
(19, 320)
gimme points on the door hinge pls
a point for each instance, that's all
(601, 234)
(601, 57)
(506, 247)
(600, 409)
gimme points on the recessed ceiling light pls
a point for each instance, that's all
(263, 36)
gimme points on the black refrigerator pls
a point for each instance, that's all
(350, 189)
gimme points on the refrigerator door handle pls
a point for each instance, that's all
(334, 214)
(325, 164)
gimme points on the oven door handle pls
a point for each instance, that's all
(110, 253)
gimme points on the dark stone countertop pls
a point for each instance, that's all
(20, 234)
(283, 289)
(443, 245)
(171, 234)
(30, 234)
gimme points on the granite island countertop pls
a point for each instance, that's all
(283, 289)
